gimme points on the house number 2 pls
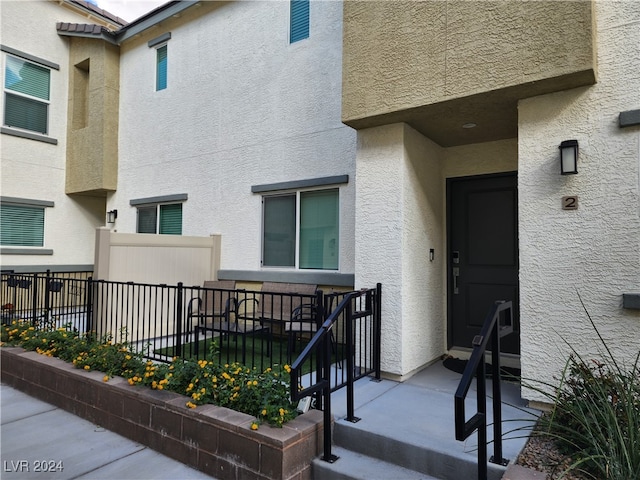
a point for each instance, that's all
(570, 202)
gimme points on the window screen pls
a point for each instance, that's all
(161, 68)
(21, 225)
(299, 20)
(26, 95)
(279, 243)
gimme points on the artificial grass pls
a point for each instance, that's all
(228, 349)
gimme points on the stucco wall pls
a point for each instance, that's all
(243, 107)
(591, 253)
(464, 48)
(399, 217)
(92, 154)
(36, 170)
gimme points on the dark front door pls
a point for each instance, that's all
(483, 254)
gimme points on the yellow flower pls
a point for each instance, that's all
(264, 412)
(87, 367)
(191, 405)
(254, 426)
(105, 378)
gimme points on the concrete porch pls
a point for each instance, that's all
(407, 431)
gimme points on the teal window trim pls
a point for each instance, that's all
(298, 20)
(161, 67)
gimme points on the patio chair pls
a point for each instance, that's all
(217, 313)
(287, 309)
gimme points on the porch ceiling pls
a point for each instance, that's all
(495, 113)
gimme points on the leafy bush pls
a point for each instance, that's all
(264, 395)
(595, 417)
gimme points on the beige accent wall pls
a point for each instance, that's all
(92, 133)
(406, 60)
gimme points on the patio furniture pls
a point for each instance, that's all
(289, 309)
(217, 313)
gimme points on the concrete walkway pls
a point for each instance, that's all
(414, 414)
(41, 441)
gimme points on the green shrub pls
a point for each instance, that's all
(595, 417)
(264, 395)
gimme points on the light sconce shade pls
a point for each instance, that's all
(569, 157)
(111, 216)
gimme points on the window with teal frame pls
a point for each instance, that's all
(162, 219)
(26, 99)
(21, 226)
(161, 67)
(299, 20)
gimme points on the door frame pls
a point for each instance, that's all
(448, 263)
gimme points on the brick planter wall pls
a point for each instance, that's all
(215, 440)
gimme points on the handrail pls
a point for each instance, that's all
(321, 341)
(493, 330)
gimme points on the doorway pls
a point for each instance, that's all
(482, 267)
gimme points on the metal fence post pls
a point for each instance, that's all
(88, 304)
(178, 316)
(378, 331)
(34, 300)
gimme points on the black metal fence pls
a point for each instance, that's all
(46, 299)
(256, 328)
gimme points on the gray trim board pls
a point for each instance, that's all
(26, 251)
(158, 40)
(178, 197)
(103, 36)
(629, 118)
(314, 278)
(26, 201)
(631, 300)
(31, 58)
(297, 184)
(44, 268)
(29, 135)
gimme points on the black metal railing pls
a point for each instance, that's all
(256, 328)
(46, 299)
(347, 347)
(497, 324)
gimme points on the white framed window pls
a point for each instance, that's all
(301, 229)
(27, 87)
(22, 222)
(165, 219)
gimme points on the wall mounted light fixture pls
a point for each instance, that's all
(569, 157)
(111, 216)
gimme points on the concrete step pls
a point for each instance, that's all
(419, 460)
(356, 466)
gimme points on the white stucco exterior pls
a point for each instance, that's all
(35, 170)
(592, 253)
(243, 107)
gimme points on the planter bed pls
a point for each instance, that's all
(214, 440)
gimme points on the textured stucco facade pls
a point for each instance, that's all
(592, 253)
(35, 170)
(411, 140)
(242, 107)
(92, 153)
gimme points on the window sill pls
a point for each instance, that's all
(25, 251)
(293, 276)
(29, 135)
